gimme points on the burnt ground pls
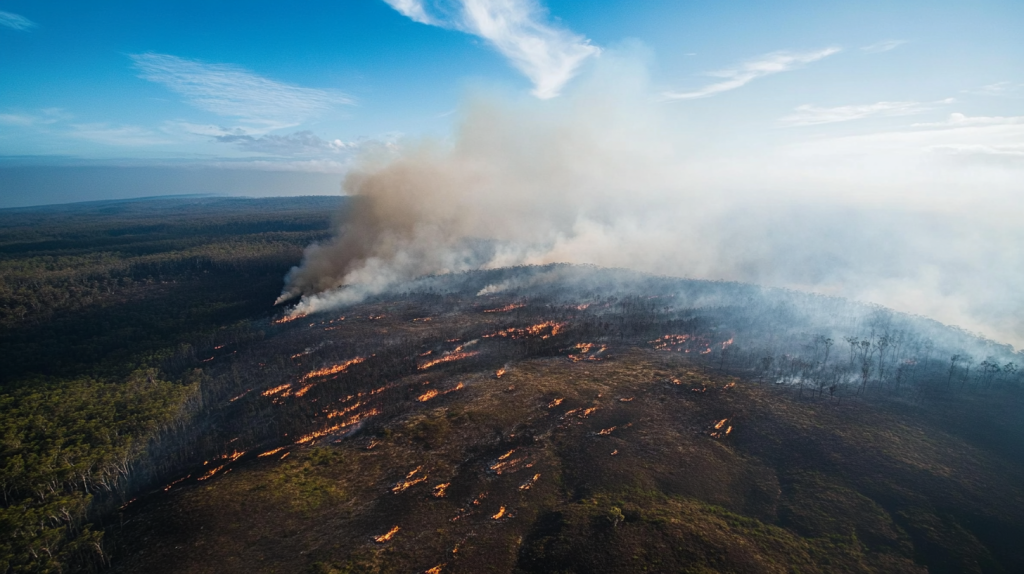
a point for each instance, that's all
(576, 459)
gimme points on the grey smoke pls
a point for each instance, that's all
(601, 176)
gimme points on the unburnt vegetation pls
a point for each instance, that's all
(536, 419)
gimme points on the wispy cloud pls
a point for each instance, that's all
(413, 10)
(128, 136)
(45, 116)
(15, 21)
(808, 115)
(958, 120)
(1009, 152)
(298, 143)
(751, 70)
(16, 120)
(883, 46)
(996, 89)
(232, 91)
(547, 55)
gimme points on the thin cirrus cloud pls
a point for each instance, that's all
(766, 65)
(548, 56)
(125, 136)
(231, 91)
(883, 46)
(304, 143)
(808, 115)
(15, 21)
(996, 89)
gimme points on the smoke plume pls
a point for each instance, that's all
(610, 174)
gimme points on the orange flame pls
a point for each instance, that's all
(499, 373)
(434, 570)
(529, 483)
(339, 368)
(448, 357)
(288, 319)
(506, 308)
(555, 403)
(427, 395)
(501, 512)
(625, 399)
(212, 472)
(409, 481)
(168, 487)
(350, 421)
(615, 452)
(670, 342)
(531, 331)
(440, 490)
(720, 423)
(386, 536)
(607, 431)
(272, 452)
(239, 396)
(275, 390)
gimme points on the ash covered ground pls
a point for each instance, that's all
(577, 419)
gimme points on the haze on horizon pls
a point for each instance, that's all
(872, 151)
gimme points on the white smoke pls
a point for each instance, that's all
(604, 175)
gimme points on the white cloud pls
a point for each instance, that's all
(298, 143)
(883, 46)
(996, 89)
(45, 116)
(751, 70)
(547, 55)
(232, 91)
(413, 10)
(1010, 151)
(961, 120)
(808, 115)
(15, 21)
(16, 120)
(131, 136)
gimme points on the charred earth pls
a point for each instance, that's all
(575, 419)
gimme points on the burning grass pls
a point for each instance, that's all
(506, 308)
(544, 330)
(332, 370)
(410, 480)
(386, 536)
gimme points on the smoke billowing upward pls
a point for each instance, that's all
(609, 175)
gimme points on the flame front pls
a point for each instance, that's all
(529, 483)
(339, 368)
(531, 331)
(386, 536)
(409, 481)
(455, 355)
(506, 308)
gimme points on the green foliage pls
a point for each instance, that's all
(63, 444)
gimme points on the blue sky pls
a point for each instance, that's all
(305, 87)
